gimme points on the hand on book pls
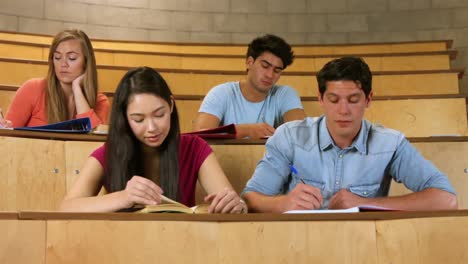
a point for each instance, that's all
(140, 190)
(345, 199)
(225, 201)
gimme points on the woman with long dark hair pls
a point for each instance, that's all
(145, 156)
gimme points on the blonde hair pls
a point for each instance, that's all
(56, 103)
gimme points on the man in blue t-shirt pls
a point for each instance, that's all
(256, 105)
(340, 160)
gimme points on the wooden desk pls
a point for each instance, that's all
(373, 237)
(38, 180)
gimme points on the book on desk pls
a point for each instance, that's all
(170, 206)
(222, 132)
(79, 125)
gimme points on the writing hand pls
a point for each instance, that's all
(3, 122)
(255, 131)
(344, 199)
(303, 197)
(140, 190)
(225, 201)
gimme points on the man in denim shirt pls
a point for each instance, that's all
(340, 159)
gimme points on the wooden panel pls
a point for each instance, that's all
(451, 159)
(210, 242)
(20, 51)
(16, 73)
(6, 97)
(238, 162)
(22, 241)
(414, 117)
(423, 240)
(33, 174)
(298, 242)
(76, 153)
(103, 242)
(410, 84)
(151, 60)
(241, 49)
(420, 62)
(188, 110)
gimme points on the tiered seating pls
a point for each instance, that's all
(191, 86)
(415, 92)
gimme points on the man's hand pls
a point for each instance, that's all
(344, 199)
(303, 197)
(255, 131)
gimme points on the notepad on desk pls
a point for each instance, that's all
(222, 132)
(357, 209)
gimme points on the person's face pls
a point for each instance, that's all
(344, 104)
(264, 72)
(149, 117)
(68, 61)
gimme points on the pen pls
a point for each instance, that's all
(1, 114)
(294, 171)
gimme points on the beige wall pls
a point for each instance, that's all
(238, 21)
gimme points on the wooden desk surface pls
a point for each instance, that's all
(251, 217)
(102, 138)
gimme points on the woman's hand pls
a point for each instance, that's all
(226, 201)
(77, 84)
(3, 122)
(140, 190)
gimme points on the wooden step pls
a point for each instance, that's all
(199, 82)
(241, 49)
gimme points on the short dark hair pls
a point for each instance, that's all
(274, 44)
(123, 153)
(345, 69)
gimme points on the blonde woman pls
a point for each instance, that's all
(69, 91)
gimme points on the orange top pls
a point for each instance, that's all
(29, 106)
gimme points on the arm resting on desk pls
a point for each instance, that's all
(428, 199)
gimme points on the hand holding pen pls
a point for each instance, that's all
(4, 123)
(303, 196)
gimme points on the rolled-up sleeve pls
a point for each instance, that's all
(415, 172)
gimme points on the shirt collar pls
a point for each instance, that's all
(360, 143)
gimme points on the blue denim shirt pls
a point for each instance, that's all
(365, 168)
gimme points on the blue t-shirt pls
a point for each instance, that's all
(365, 168)
(226, 102)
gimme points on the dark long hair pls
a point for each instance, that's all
(123, 149)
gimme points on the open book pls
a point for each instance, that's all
(227, 131)
(357, 209)
(171, 206)
(80, 125)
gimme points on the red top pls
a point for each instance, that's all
(29, 106)
(192, 153)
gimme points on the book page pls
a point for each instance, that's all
(324, 211)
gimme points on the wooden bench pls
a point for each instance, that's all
(420, 116)
(434, 60)
(240, 49)
(199, 82)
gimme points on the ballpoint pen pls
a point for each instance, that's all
(294, 171)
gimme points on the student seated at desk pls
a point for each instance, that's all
(69, 91)
(340, 160)
(257, 105)
(145, 156)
